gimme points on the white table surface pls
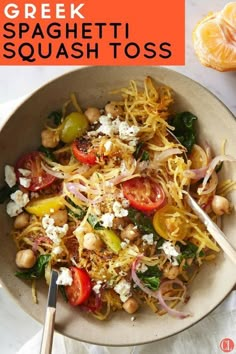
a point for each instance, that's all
(15, 326)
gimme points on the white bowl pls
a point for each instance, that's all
(21, 134)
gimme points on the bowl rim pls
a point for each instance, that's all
(25, 99)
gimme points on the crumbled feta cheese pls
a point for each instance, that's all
(57, 250)
(142, 267)
(34, 195)
(20, 198)
(127, 132)
(97, 287)
(64, 277)
(123, 245)
(170, 251)
(118, 210)
(13, 209)
(107, 220)
(148, 239)
(108, 145)
(24, 172)
(47, 221)
(174, 261)
(123, 289)
(10, 176)
(25, 182)
(125, 203)
(133, 142)
(109, 127)
(55, 233)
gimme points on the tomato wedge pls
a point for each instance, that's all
(81, 287)
(144, 194)
(39, 178)
(81, 151)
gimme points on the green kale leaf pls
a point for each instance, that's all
(143, 222)
(140, 153)
(188, 251)
(93, 220)
(151, 277)
(185, 130)
(37, 271)
(55, 117)
(80, 212)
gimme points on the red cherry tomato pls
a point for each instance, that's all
(39, 178)
(144, 194)
(81, 287)
(81, 151)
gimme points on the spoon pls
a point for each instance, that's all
(213, 229)
(48, 330)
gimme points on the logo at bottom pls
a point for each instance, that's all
(227, 345)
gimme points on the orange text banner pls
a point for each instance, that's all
(92, 32)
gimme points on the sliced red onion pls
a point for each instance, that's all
(83, 188)
(211, 187)
(158, 293)
(57, 174)
(38, 241)
(208, 151)
(167, 153)
(73, 188)
(196, 174)
(211, 169)
(168, 309)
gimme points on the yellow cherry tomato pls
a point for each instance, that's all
(74, 126)
(42, 206)
(170, 223)
(198, 157)
(111, 239)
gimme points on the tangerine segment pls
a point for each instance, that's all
(214, 39)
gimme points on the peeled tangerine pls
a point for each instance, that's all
(214, 39)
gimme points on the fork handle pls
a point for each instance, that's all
(47, 339)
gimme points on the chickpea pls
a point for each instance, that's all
(220, 205)
(131, 305)
(49, 138)
(92, 242)
(25, 259)
(114, 109)
(171, 272)
(119, 223)
(92, 114)
(60, 217)
(130, 232)
(21, 221)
